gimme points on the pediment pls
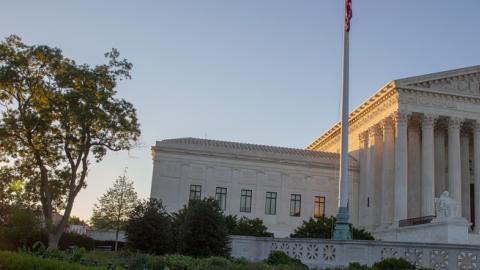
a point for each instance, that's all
(465, 81)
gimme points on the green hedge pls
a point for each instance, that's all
(19, 261)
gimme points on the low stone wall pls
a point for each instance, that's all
(329, 253)
(106, 235)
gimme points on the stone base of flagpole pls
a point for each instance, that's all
(342, 228)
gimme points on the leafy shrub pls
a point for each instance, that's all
(172, 262)
(323, 228)
(69, 239)
(149, 228)
(361, 234)
(246, 226)
(201, 229)
(393, 264)
(19, 261)
(277, 257)
(22, 228)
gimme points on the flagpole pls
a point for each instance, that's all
(342, 228)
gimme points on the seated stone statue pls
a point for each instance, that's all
(445, 206)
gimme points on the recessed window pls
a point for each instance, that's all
(195, 192)
(295, 205)
(246, 201)
(221, 197)
(319, 209)
(271, 203)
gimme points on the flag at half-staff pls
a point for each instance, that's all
(342, 228)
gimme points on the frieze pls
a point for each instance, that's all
(464, 84)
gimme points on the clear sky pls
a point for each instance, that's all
(257, 71)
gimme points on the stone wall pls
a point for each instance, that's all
(329, 253)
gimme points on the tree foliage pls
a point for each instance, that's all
(114, 207)
(246, 226)
(149, 228)
(323, 228)
(201, 229)
(57, 116)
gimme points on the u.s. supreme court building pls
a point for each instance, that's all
(411, 141)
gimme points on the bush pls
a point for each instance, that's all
(277, 257)
(246, 226)
(69, 239)
(202, 229)
(323, 228)
(22, 228)
(18, 261)
(149, 228)
(393, 264)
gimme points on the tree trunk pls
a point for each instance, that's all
(116, 240)
(53, 239)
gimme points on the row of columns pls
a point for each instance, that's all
(384, 161)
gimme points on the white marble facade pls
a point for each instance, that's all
(209, 165)
(409, 142)
(414, 139)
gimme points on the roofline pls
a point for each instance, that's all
(355, 114)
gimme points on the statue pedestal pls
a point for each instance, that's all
(452, 230)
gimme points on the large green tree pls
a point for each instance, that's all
(57, 117)
(115, 206)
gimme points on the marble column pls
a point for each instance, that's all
(401, 184)
(414, 192)
(377, 191)
(428, 166)
(370, 187)
(387, 171)
(465, 167)
(476, 174)
(454, 166)
(362, 200)
(440, 160)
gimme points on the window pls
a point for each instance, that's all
(295, 204)
(246, 201)
(271, 203)
(195, 192)
(319, 209)
(221, 197)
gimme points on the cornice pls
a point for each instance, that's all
(330, 165)
(382, 95)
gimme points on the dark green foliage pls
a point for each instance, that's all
(393, 264)
(361, 234)
(19, 261)
(202, 229)
(22, 227)
(315, 228)
(73, 239)
(149, 228)
(246, 226)
(277, 257)
(323, 228)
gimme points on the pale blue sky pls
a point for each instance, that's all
(258, 71)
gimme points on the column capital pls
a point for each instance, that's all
(363, 136)
(454, 123)
(428, 120)
(387, 123)
(375, 130)
(400, 117)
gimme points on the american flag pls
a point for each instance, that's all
(348, 14)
